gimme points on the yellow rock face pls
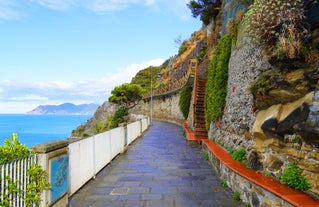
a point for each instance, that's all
(278, 112)
(261, 117)
(287, 109)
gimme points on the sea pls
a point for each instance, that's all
(37, 129)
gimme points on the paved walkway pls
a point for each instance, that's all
(160, 169)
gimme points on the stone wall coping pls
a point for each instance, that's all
(50, 146)
(292, 196)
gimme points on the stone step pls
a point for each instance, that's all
(201, 136)
(200, 122)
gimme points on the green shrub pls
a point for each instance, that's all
(224, 184)
(202, 54)
(185, 100)
(12, 150)
(239, 155)
(99, 127)
(118, 117)
(292, 177)
(205, 155)
(216, 86)
(182, 48)
(236, 196)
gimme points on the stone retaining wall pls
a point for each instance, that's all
(163, 106)
(250, 193)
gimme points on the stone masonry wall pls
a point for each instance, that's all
(163, 107)
(249, 192)
(246, 63)
(235, 130)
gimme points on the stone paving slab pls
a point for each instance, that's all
(160, 169)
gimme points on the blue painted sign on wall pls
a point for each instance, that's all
(59, 176)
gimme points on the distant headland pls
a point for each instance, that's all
(66, 108)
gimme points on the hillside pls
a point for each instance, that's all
(262, 90)
(66, 108)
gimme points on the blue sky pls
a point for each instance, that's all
(57, 51)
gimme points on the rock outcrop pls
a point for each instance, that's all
(100, 116)
(272, 110)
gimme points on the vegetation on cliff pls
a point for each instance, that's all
(145, 76)
(185, 100)
(12, 149)
(280, 26)
(216, 86)
(118, 117)
(292, 177)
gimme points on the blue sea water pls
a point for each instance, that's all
(36, 129)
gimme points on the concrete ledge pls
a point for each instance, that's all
(257, 184)
(50, 146)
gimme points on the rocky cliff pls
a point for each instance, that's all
(272, 108)
(99, 118)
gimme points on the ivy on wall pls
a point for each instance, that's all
(185, 100)
(216, 86)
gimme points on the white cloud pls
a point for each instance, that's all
(9, 9)
(23, 96)
(30, 97)
(56, 4)
(99, 6)
(14, 9)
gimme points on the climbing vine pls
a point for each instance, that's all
(216, 86)
(185, 100)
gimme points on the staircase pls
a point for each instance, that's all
(199, 113)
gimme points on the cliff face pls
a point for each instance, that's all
(272, 109)
(100, 116)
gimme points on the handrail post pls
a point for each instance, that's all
(193, 65)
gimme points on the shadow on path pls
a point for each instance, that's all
(160, 169)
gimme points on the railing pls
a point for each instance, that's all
(175, 84)
(15, 172)
(88, 156)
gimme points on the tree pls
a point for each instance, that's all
(127, 94)
(118, 117)
(206, 9)
(13, 149)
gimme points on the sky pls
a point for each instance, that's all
(77, 51)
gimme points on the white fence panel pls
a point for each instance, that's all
(81, 166)
(102, 150)
(117, 141)
(145, 124)
(88, 156)
(133, 131)
(15, 171)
